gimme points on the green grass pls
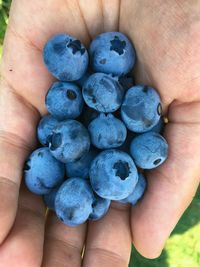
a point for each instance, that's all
(4, 11)
(183, 247)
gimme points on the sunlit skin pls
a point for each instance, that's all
(166, 35)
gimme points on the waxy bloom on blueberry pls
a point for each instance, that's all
(43, 172)
(65, 57)
(64, 100)
(112, 52)
(70, 141)
(149, 150)
(103, 92)
(113, 174)
(73, 202)
(106, 131)
(141, 109)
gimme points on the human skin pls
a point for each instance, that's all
(166, 35)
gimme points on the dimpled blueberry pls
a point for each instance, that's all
(80, 168)
(70, 141)
(73, 203)
(43, 172)
(113, 174)
(138, 191)
(65, 57)
(100, 207)
(45, 129)
(103, 92)
(112, 52)
(64, 100)
(106, 131)
(49, 199)
(141, 109)
(149, 150)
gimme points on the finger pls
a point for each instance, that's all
(111, 23)
(98, 17)
(63, 244)
(109, 239)
(93, 16)
(170, 190)
(49, 18)
(14, 131)
(24, 245)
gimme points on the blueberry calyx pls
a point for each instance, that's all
(159, 109)
(41, 154)
(49, 138)
(56, 141)
(71, 94)
(122, 169)
(26, 166)
(76, 46)
(117, 45)
(103, 61)
(94, 204)
(145, 89)
(157, 161)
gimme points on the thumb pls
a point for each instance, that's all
(172, 186)
(15, 129)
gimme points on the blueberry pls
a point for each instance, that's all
(103, 93)
(70, 141)
(64, 100)
(65, 57)
(100, 207)
(149, 150)
(88, 115)
(49, 199)
(45, 129)
(80, 168)
(112, 52)
(141, 109)
(43, 172)
(73, 203)
(138, 191)
(113, 174)
(106, 131)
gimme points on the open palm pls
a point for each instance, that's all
(167, 41)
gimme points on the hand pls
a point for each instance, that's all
(166, 37)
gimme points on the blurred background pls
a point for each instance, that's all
(183, 247)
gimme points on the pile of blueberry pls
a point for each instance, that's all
(101, 131)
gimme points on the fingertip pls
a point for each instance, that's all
(149, 231)
(145, 245)
(148, 252)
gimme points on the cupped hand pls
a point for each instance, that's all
(166, 36)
